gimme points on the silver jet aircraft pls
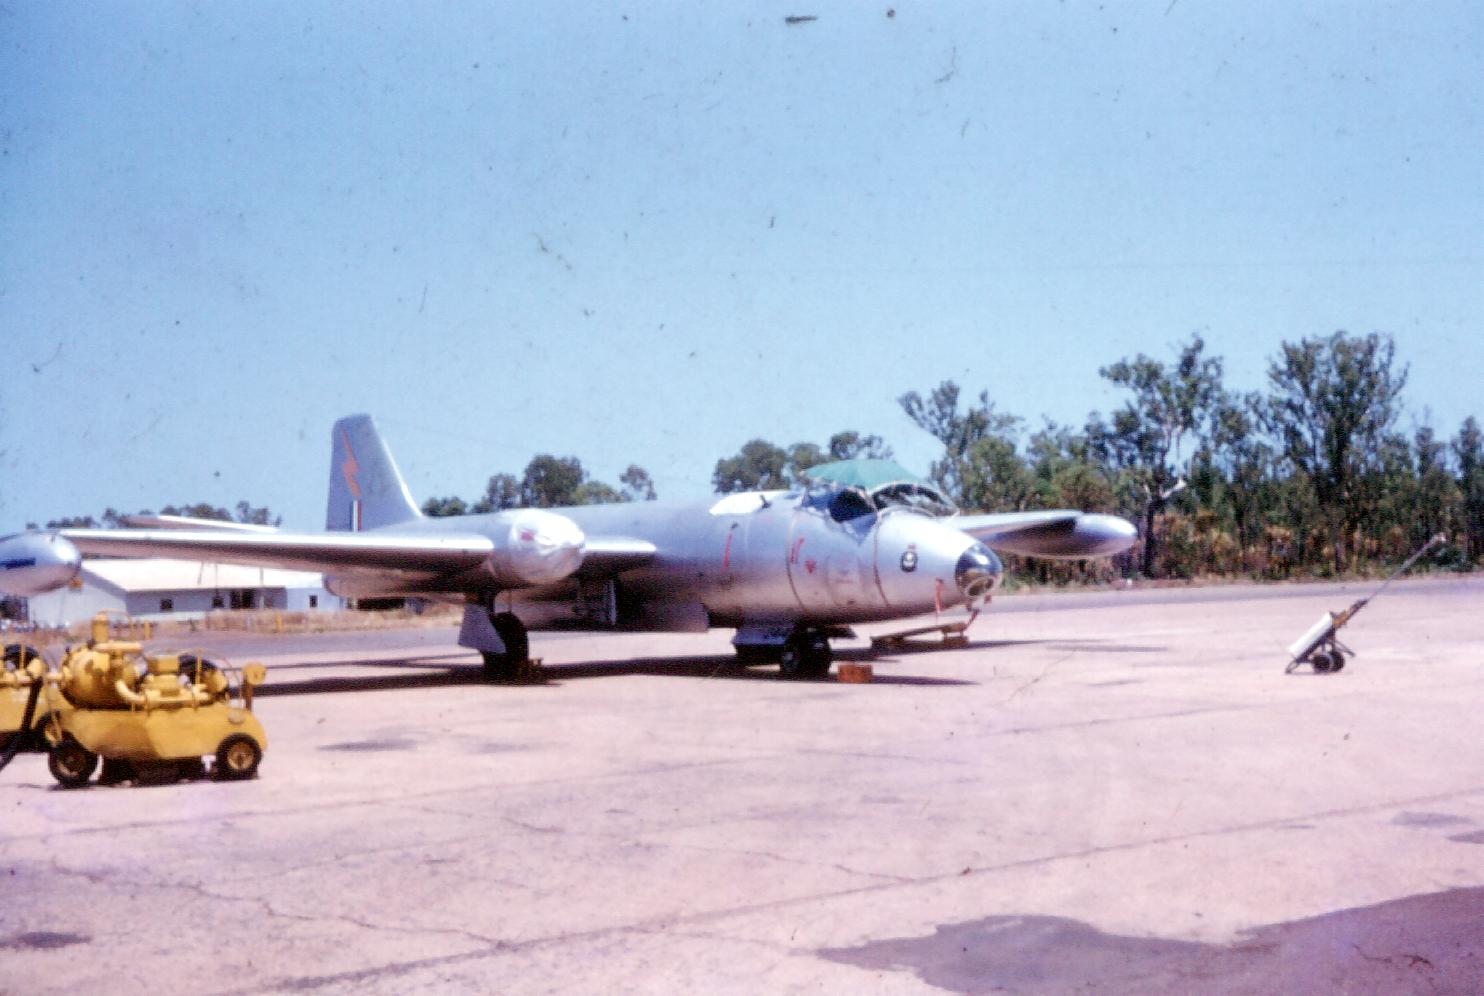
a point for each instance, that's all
(787, 569)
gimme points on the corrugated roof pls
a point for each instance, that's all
(191, 575)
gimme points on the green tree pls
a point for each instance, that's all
(1436, 496)
(252, 515)
(72, 522)
(1145, 435)
(1333, 401)
(551, 482)
(1468, 453)
(938, 415)
(851, 445)
(596, 493)
(636, 484)
(995, 476)
(442, 507)
(1242, 463)
(200, 510)
(1065, 473)
(501, 492)
(802, 456)
(759, 466)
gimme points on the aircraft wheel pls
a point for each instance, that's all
(71, 763)
(1323, 662)
(1339, 661)
(237, 758)
(512, 633)
(806, 656)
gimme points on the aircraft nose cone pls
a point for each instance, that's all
(977, 572)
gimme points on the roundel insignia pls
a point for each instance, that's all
(909, 561)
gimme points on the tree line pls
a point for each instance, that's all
(246, 513)
(1310, 477)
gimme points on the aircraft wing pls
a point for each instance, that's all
(190, 522)
(406, 562)
(331, 553)
(1062, 534)
(603, 555)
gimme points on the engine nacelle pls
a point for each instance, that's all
(34, 563)
(537, 548)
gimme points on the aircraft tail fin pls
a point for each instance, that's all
(366, 489)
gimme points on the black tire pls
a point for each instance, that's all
(806, 657)
(791, 659)
(237, 758)
(817, 657)
(1322, 661)
(505, 667)
(71, 763)
(1339, 662)
(498, 668)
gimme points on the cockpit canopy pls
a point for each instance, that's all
(878, 485)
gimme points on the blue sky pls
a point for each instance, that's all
(648, 235)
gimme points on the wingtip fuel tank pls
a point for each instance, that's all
(35, 562)
(1104, 535)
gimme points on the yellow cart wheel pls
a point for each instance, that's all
(237, 758)
(71, 763)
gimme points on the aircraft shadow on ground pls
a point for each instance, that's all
(1081, 644)
(443, 670)
(434, 672)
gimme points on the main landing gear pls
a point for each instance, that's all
(512, 632)
(805, 655)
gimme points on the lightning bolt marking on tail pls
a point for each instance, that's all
(350, 467)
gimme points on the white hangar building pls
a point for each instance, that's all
(178, 589)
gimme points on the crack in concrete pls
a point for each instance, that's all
(769, 855)
(482, 789)
(1044, 672)
(266, 906)
(666, 923)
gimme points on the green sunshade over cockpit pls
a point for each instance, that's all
(868, 475)
(887, 482)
